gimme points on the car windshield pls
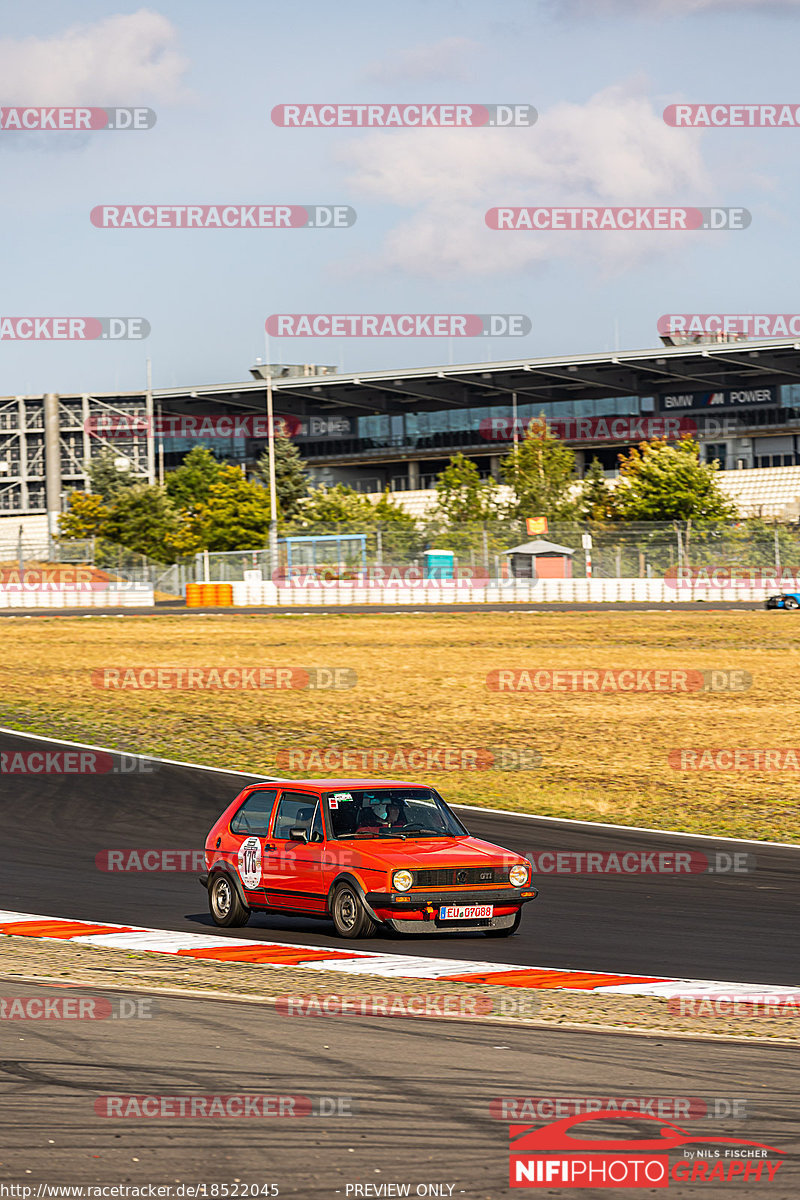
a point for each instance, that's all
(391, 812)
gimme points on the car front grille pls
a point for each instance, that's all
(460, 876)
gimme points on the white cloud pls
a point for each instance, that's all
(615, 149)
(128, 59)
(449, 58)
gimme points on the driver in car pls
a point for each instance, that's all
(380, 816)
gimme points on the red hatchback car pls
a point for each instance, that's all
(363, 853)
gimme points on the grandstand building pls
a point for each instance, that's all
(398, 429)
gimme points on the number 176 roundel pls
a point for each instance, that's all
(362, 853)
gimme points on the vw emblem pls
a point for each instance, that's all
(461, 877)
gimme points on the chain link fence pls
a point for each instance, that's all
(497, 550)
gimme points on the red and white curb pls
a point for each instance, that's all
(359, 962)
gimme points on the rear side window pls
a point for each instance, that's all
(297, 810)
(253, 817)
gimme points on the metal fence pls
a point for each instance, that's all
(627, 551)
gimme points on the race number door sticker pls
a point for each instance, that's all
(250, 862)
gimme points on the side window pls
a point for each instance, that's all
(252, 819)
(296, 810)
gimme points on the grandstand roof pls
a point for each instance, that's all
(623, 373)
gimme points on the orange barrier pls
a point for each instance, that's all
(214, 595)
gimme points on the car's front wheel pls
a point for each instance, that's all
(223, 900)
(349, 914)
(790, 602)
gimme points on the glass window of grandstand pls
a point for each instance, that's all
(716, 452)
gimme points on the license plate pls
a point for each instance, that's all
(465, 912)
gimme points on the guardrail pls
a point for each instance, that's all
(526, 591)
(123, 595)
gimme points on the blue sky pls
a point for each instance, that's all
(599, 74)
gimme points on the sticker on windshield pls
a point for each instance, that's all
(339, 798)
(250, 862)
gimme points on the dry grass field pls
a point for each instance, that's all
(421, 682)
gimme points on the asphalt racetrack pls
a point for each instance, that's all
(415, 1098)
(179, 609)
(731, 927)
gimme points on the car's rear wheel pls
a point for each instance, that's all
(349, 914)
(507, 932)
(790, 602)
(223, 900)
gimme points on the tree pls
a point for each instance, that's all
(461, 494)
(236, 513)
(541, 473)
(327, 507)
(188, 486)
(143, 519)
(291, 475)
(85, 516)
(107, 480)
(663, 481)
(595, 499)
(402, 537)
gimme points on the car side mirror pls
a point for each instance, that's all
(298, 834)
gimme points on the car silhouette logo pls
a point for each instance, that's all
(558, 1136)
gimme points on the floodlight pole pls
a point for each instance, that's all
(273, 492)
(150, 437)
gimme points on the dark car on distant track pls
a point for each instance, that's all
(784, 600)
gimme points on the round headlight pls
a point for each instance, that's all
(518, 876)
(402, 880)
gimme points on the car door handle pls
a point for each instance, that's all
(268, 846)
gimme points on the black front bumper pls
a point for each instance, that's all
(409, 901)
